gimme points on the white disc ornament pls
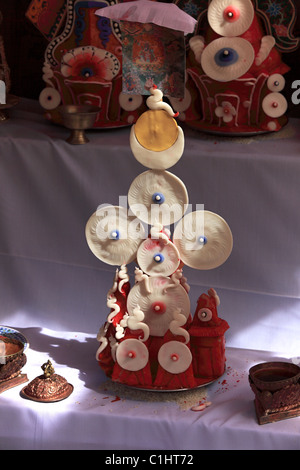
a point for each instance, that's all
(203, 239)
(274, 105)
(156, 140)
(113, 236)
(132, 354)
(230, 17)
(157, 160)
(130, 102)
(158, 197)
(182, 104)
(49, 98)
(158, 299)
(226, 59)
(175, 357)
(276, 82)
(158, 258)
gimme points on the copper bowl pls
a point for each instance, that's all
(12, 357)
(274, 376)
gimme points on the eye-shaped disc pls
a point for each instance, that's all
(274, 105)
(113, 236)
(158, 196)
(204, 314)
(158, 302)
(130, 102)
(276, 82)
(156, 258)
(226, 59)
(132, 354)
(175, 357)
(203, 239)
(230, 17)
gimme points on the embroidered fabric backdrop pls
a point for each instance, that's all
(25, 46)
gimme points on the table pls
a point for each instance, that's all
(53, 289)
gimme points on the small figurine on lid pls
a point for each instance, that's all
(49, 387)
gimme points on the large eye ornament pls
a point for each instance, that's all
(226, 56)
(205, 314)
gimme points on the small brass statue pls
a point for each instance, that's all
(48, 369)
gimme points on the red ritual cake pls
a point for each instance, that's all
(150, 339)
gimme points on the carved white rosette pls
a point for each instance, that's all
(145, 341)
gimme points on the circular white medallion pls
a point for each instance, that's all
(175, 357)
(157, 258)
(130, 102)
(182, 104)
(113, 236)
(204, 314)
(49, 98)
(158, 196)
(226, 59)
(276, 82)
(230, 17)
(159, 303)
(132, 354)
(203, 239)
(274, 105)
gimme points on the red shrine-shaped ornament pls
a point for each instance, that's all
(235, 73)
(150, 339)
(108, 53)
(83, 62)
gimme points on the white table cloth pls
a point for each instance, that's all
(53, 289)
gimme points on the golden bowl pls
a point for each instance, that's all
(78, 119)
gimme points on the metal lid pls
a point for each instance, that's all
(48, 387)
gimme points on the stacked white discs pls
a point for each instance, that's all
(158, 303)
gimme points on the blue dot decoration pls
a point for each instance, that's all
(158, 198)
(226, 56)
(114, 235)
(202, 240)
(87, 72)
(158, 258)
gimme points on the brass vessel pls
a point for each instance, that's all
(78, 119)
